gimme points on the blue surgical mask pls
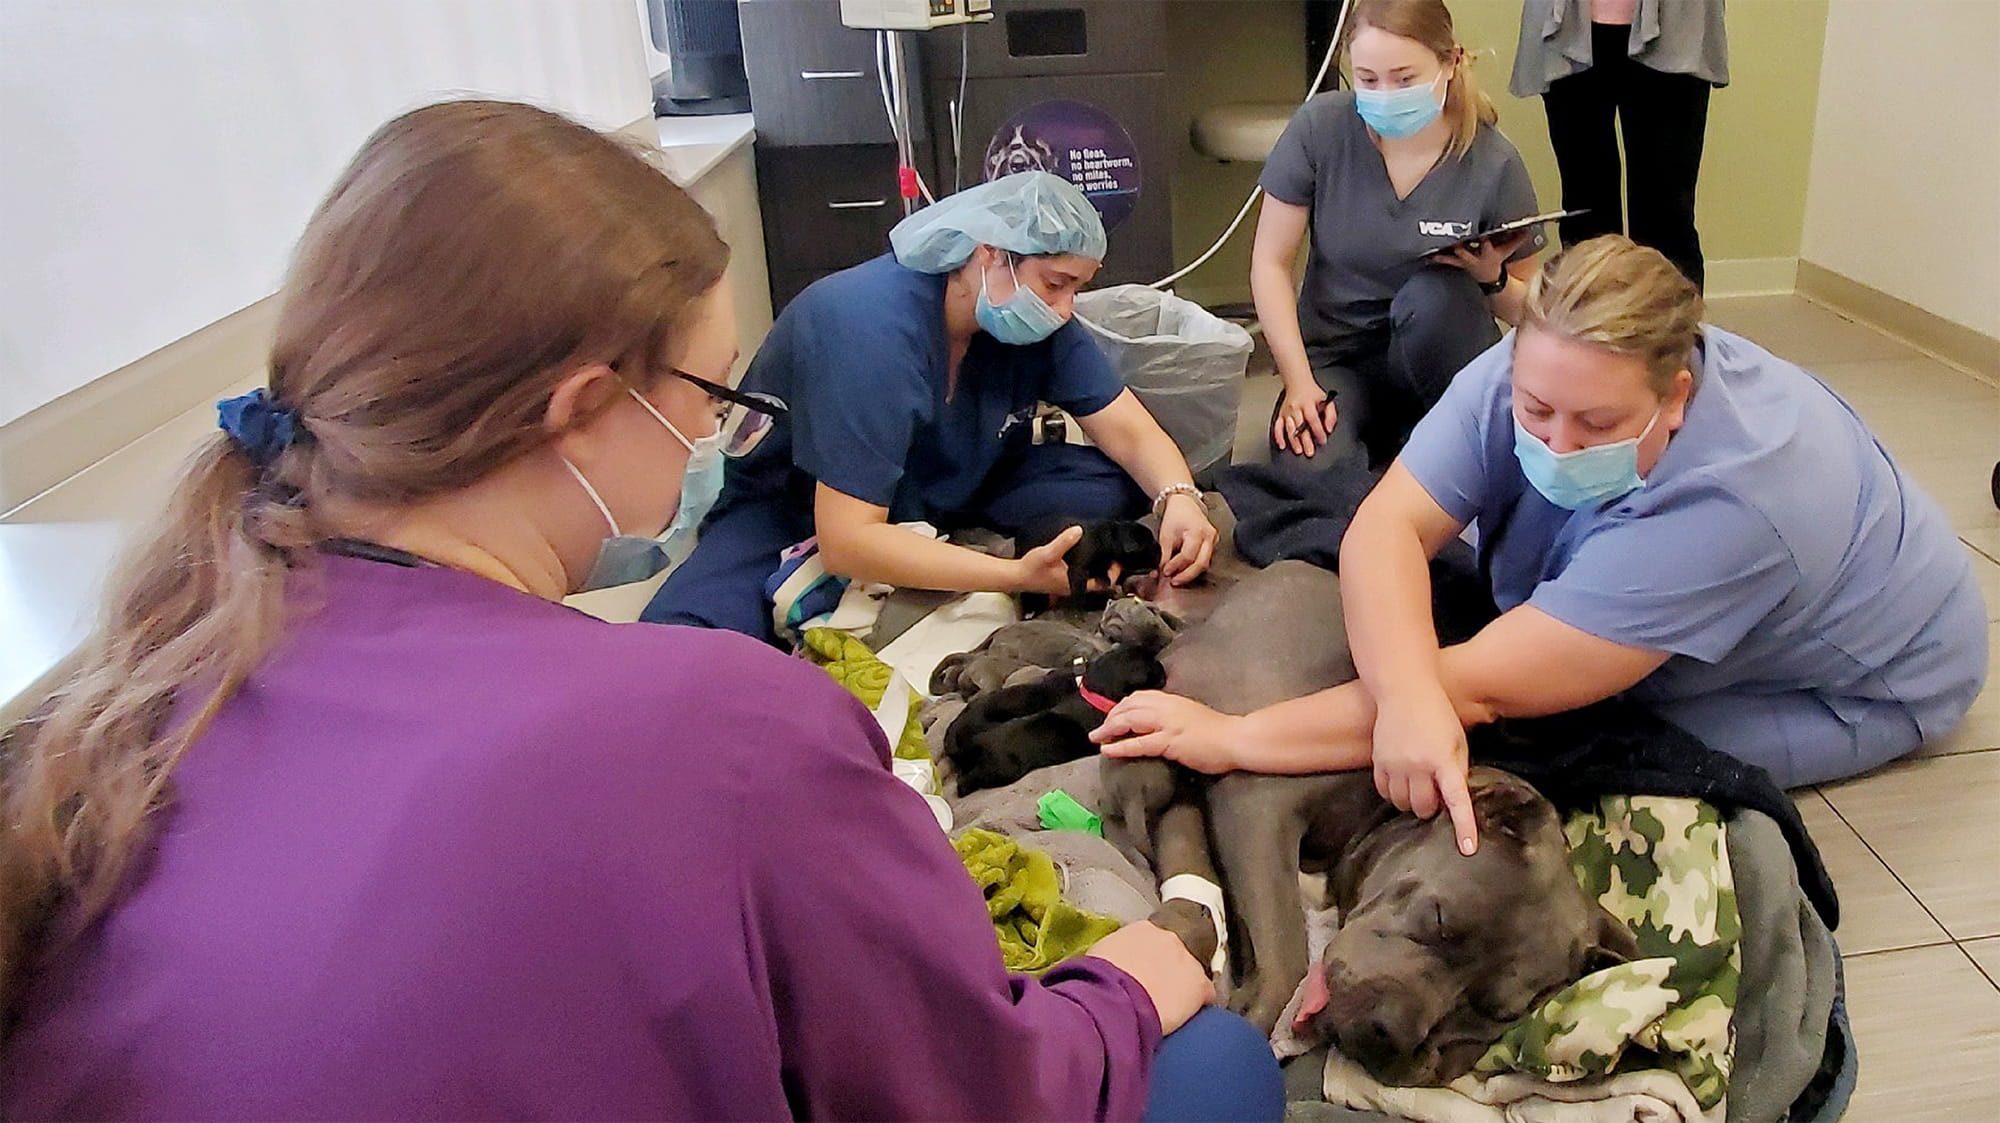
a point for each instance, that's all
(1025, 318)
(1400, 113)
(1586, 477)
(623, 559)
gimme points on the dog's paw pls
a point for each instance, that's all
(1260, 1003)
(1191, 923)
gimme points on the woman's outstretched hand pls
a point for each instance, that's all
(1187, 539)
(1043, 570)
(1155, 723)
(1421, 758)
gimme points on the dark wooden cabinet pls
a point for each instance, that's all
(839, 203)
(815, 82)
(826, 156)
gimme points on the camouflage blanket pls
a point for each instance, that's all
(1660, 865)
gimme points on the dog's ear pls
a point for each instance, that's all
(1609, 943)
(1513, 809)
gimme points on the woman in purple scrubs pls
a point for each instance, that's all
(344, 814)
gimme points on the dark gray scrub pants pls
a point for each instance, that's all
(1384, 383)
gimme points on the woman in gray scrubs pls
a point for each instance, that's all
(1399, 168)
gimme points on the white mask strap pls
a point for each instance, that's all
(592, 492)
(1661, 408)
(661, 418)
(985, 289)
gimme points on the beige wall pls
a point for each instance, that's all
(1903, 192)
(1751, 206)
(1225, 51)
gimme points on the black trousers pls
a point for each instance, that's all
(1664, 117)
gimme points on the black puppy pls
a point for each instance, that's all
(1004, 734)
(1110, 551)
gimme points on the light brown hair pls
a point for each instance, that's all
(1429, 22)
(1613, 293)
(472, 255)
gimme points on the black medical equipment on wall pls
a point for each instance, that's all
(1077, 87)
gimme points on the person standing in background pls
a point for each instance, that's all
(1649, 65)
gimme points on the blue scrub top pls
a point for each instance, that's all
(1776, 547)
(861, 357)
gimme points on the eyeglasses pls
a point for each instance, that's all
(750, 415)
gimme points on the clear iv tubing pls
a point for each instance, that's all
(893, 93)
(1326, 64)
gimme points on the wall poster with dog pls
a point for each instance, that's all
(1078, 141)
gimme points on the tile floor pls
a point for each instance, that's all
(1914, 848)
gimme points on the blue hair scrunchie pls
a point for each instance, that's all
(259, 426)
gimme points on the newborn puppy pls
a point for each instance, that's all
(1111, 552)
(1137, 623)
(1051, 644)
(1004, 734)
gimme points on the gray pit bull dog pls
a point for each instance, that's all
(1437, 952)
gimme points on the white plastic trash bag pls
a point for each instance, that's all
(1183, 362)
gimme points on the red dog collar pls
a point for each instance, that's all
(1097, 701)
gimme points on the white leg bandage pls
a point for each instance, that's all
(1207, 894)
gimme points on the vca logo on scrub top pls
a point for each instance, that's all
(1078, 141)
(1433, 229)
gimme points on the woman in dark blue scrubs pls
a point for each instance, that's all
(911, 382)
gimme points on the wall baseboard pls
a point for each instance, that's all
(1752, 276)
(1925, 330)
(55, 441)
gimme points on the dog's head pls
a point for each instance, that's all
(1112, 553)
(1019, 154)
(1438, 953)
(1124, 670)
(1137, 622)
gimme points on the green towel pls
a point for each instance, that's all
(863, 675)
(1660, 865)
(1036, 927)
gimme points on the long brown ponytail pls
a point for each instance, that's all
(471, 256)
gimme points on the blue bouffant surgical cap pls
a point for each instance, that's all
(1026, 213)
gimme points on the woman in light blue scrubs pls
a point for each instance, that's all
(912, 382)
(1664, 511)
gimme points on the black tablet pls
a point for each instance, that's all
(1501, 230)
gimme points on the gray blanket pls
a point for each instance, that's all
(1790, 972)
